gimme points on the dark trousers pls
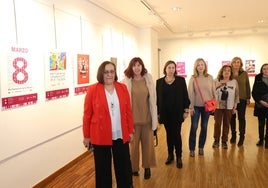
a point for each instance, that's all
(173, 136)
(103, 165)
(222, 119)
(241, 112)
(262, 122)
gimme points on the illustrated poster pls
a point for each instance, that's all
(81, 73)
(250, 67)
(56, 76)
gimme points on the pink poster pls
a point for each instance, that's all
(181, 69)
(17, 79)
(226, 63)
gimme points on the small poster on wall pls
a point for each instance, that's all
(81, 72)
(181, 69)
(56, 76)
(250, 67)
(226, 63)
(17, 79)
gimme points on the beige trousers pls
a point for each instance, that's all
(143, 137)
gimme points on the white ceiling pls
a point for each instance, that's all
(196, 18)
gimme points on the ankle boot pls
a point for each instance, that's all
(147, 173)
(169, 159)
(241, 141)
(260, 143)
(233, 139)
(179, 163)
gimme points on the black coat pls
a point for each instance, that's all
(181, 102)
(259, 90)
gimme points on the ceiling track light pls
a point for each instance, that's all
(153, 12)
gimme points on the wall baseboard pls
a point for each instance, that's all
(50, 178)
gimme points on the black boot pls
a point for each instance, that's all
(266, 142)
(147, 173)
(233, 139)
(259, 143)
(241, 141)
(179, 163)
(169, 159)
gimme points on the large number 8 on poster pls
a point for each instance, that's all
(20, 70)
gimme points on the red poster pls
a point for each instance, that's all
(82, 69)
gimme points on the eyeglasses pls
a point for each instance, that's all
(109, 71)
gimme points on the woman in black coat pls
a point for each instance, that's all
(260, 96)
(172, 107)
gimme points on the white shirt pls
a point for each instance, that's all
(114, 109)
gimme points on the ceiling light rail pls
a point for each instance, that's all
(154, 13)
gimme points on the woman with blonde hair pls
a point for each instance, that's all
(241, 77)
(201, 88)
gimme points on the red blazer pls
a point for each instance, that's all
(96, 120)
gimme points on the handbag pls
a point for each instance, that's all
(210, 105)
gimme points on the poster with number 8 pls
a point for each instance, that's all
(16, 82)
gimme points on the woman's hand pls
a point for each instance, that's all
(131, 137)
(191, 111)
(185, 115)
(86, 142)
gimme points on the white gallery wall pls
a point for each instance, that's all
(37, 140)
(214, 50)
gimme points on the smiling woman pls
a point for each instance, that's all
(108, 127)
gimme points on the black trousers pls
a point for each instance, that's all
(263, 121)
(103, 156)
(173, 136)
(241, 112)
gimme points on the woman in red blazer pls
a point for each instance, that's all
(108, 127)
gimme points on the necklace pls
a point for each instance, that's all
(111, 100)
(169, 80)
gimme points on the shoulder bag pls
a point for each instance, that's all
(210, 105)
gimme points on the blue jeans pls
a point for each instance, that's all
(198, 111)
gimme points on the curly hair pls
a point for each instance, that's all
(220, 74)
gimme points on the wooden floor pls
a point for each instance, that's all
(245, 167)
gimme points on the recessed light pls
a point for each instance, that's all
(176, 9)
